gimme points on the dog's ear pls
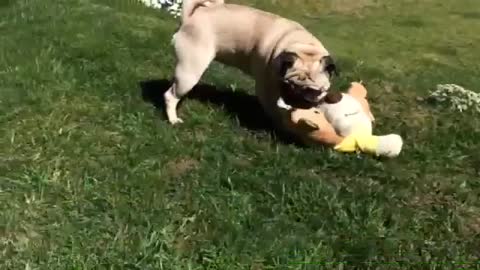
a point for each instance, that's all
(283, 62)
(330, 66)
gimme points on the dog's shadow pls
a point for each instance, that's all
(237, 104)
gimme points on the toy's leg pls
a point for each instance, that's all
(388, 145)
(312, 126)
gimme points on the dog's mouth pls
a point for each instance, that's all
(310, 94)
(313, 95)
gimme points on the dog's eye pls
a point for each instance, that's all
(284, 62)
(331, 69)
(330, 66)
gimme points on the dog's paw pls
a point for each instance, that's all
(281, 104)
(175, 121)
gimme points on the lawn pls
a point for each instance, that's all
(93, 177)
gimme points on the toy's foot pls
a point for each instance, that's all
(348, 145)
(390, 145)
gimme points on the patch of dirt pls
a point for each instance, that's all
(257, 266)
(182, 166)
(200, 136)
(468, 217)
(474, 15)
(428, 200)
(436, 58)
(474, 225)
(349, 6)
(305, 173)
(417, 119)
(242, 161)
(182, 245)
(337, 6)
(315, 7)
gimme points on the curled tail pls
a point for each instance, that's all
(189, 6)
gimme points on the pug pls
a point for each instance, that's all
(278, 53)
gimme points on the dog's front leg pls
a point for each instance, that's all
(281, 104)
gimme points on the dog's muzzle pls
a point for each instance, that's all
(313, 95)
(300, 84)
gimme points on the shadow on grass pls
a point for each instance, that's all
(238, 104)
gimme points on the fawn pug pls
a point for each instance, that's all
(278, 53)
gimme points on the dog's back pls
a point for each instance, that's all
(239, 32)
(190, 6)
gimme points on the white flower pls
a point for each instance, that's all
(174, 7)
(456, 97)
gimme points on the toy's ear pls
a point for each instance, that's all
(307, 124)
(371, 115)
(357, 90)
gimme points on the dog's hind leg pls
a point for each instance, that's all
(193, 58)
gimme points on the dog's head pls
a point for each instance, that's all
(307, 69)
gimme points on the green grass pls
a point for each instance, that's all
(92, 176)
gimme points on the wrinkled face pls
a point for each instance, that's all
(308, 73)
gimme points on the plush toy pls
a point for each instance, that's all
(341, 120)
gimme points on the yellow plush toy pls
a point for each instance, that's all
(344, 121)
